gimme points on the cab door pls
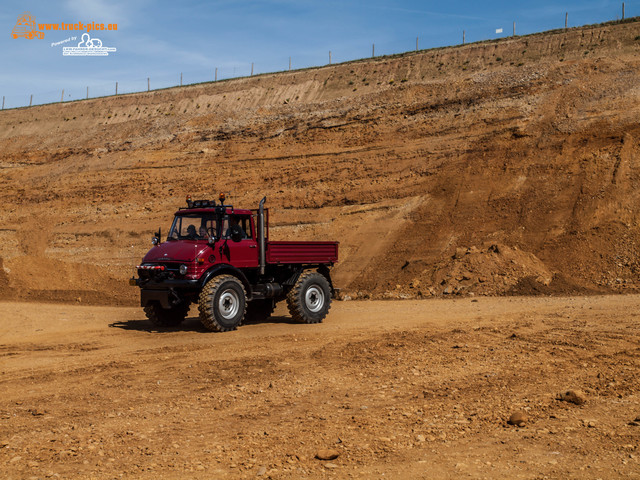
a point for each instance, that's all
(241, 250)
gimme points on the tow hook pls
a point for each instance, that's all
(174, 297)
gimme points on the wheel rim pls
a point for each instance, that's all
(229, 304)
(314, 299)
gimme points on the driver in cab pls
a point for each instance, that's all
(235, 230)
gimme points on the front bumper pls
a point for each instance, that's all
(168, 292)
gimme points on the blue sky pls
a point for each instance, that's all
(161, 39)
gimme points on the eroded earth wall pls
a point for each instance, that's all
(492, 168)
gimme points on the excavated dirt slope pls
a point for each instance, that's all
(493, 168)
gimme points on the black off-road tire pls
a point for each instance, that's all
(166, 317)
(309, 300)
(222, 304)
(259, 310)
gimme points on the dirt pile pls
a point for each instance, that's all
(530, 143)
(495, 269)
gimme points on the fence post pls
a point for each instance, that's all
(31, 100)
(180, 78)
(463, 36)
(622, 10)
(87, 93)
(251, 68)
(116, 88)
(3, 102)
(148, 84)
(417, 44)
(373, 50)
(329, 57)
(566, 19)
(514, 29)
(215, 75)
(62, 96)
(289, 63)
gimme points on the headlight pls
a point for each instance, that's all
(183, 269)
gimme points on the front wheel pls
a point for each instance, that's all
(310, 298)
(222, 304)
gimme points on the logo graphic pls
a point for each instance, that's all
(88, 47)
(26, 27)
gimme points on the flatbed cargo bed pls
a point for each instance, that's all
(284, 252)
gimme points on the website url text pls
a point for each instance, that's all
(93, 26)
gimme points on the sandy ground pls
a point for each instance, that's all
(399, 389)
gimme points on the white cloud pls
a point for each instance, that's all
(104, 11)
(146, 46)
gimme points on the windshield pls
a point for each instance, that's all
(197, 226)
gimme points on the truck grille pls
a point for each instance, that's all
(159, 271)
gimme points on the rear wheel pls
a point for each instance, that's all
(310, 298)
(222, 304)
(166, 317)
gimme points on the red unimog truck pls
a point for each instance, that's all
(222, 259)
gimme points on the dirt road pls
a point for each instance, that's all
(413, 389)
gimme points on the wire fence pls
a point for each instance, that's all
(119, 87)
(240, 70)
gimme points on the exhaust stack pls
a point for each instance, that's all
(261, 235)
